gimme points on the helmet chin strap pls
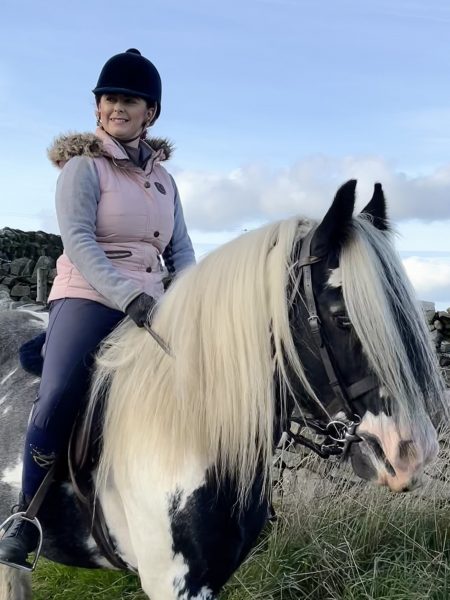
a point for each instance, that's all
(127, 141)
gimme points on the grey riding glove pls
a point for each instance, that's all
(140, 309)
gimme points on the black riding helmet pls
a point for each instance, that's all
(131, 74)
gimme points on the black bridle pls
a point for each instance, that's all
(338, 434)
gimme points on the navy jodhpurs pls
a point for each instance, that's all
(76, 328)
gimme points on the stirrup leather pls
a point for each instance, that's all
(22, 516)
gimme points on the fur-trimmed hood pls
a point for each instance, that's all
(99, 144)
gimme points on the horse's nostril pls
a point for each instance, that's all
(412, 485)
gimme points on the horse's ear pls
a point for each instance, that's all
(332, 230)
(377, 208)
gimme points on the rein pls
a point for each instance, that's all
(158, 339)
(339, 434)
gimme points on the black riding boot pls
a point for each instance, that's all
(20, 539)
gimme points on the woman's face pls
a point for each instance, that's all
(124, 116)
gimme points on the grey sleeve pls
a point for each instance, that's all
(179, 252)
(77, 197)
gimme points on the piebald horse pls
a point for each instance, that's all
(316, 319)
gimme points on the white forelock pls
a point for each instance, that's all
(382, 307)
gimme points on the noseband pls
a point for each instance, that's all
(339, 434)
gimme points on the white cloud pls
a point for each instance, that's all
(430, 277)
(253, 193)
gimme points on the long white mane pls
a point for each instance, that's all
(226, 322)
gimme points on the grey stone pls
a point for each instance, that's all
(43, 262)
(429, 316)
(9, 281)
(429, 310)
(20, 290)
(22, 266)
(427, 305)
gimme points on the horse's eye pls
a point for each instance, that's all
(343, 321)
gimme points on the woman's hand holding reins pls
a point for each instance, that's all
(140, 309)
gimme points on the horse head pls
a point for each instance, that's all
(368, 357)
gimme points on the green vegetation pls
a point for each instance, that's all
(348, 541)
(352, 550)
(55, 582)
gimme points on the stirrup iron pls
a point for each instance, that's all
(22, 516)
(29, 515)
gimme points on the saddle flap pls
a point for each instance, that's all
(83, 455)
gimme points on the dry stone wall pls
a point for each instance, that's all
(23, 256)
(439, 325)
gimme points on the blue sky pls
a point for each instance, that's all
(271, 104)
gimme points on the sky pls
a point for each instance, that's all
(271, 105)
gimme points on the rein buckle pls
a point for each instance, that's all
(339, 436)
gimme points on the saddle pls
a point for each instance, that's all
(82, 456)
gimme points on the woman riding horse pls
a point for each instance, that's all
(319, 318)
(119, 212)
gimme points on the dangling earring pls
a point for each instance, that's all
(99, 123)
